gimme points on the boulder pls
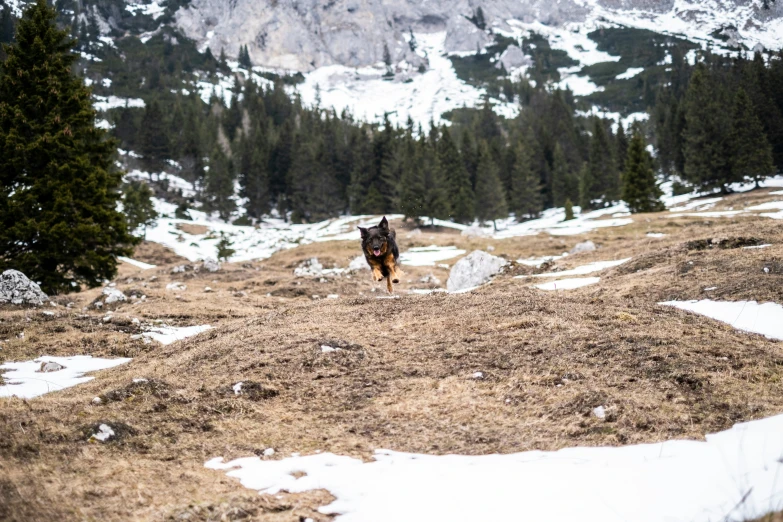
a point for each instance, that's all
(309, 267)
(585, 246)
(473, 270)
(113, 295)
(16, 288)
(210, 265)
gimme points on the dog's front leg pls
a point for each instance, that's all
(389, 286)
(376, 273)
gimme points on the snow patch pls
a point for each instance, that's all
(568, 284)
(429, 256)
(169, 334)
(25, 380)
(765, 318)
(732, 475)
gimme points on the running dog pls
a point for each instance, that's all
(381, 252)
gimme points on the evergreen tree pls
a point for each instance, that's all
(6, 26)
(706, 134)
(639, 190)
(586, 187)
(244, 58)
(603, 169)
(490, 200)
(219, 188)
(254, 175)
(457, 179)
(138, 206)
(751, 154)
(153, 139)
(224, 250)
(525, 194)
(569, 210)
(59, 190)
(413, 184)
(436, 202)
(565, 183)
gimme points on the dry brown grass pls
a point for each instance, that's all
(403, 378)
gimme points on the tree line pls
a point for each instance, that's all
(720, 121)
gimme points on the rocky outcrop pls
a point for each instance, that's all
(473, 270)
(16, 288)
(306, 34)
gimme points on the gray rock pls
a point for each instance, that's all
(47, 367)
(16, 288)
(210, 265)
(584, 246)
(113, 295)
(512, 58)
(473, 270)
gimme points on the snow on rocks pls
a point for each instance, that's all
(16, 288)
(765, 318)
(313, 268)
(25, 379)
(568, 284)
(210, 265)
(584, 246)
(113, 295)
(169, 334)
(474, 270)
(176, 286)
(104, 433)
(732, 475)
(429, 256)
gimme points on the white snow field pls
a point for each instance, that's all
(568, 284)
(26, 380)
(169, 334)
(765, 318)
(733, 476)
(368, 96)
(429, 256)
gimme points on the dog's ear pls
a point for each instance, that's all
(364, 232)
(384, 225)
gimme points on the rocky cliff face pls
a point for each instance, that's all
(307, 34)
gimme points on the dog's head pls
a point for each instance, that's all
(375, 240)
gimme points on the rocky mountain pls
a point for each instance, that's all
(306, 34)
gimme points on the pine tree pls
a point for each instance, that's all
(153, 139)
(639, 190)
(603, 169)
(413, 184)
(525, 194)
(460, 190)
(244, 58)
(565, 183)
(138, 206)
(569, 210)
(751, 154)
(586, 190)
(706, 133)
(219, 188)
(59, 189)
(224, 250)
(490, 200)
(254, 174)
(437, 204)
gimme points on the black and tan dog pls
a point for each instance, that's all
(381, 252)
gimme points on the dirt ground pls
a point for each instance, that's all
(403, 378)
